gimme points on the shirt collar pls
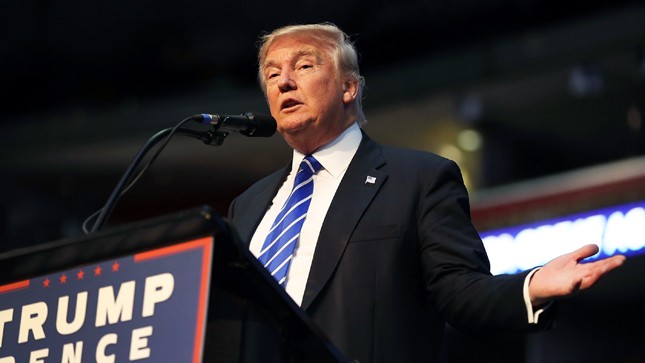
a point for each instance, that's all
(335, 156)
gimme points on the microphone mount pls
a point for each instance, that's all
(247, 124)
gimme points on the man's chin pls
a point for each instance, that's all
(293, 125)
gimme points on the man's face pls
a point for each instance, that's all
(304, 92)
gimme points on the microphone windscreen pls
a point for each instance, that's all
(263, 125)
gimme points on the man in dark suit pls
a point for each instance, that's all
(387, 251)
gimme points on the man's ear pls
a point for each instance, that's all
(350, 90)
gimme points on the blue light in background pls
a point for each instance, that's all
(616, 230)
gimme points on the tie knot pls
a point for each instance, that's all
(310, 165)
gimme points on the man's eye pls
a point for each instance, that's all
(272, 75)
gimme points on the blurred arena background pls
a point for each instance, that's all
(540, 102)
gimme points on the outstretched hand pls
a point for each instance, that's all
(565, 275)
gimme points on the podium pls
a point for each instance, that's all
(177, 288)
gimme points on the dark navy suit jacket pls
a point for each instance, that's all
(396, 258)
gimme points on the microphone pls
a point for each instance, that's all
(247, 124)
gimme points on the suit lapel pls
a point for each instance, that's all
(361, 183)
(248, 223)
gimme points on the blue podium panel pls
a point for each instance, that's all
(144, 307)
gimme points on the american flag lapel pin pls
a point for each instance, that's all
(370, 179)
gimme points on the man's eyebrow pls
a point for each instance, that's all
(294, 57)
(269, 63)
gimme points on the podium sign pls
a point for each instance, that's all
(140, 293)
(148, 306)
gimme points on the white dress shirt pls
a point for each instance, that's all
(334, 158)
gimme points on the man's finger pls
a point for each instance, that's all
(585, 251)
(611, 263)
(600, 268)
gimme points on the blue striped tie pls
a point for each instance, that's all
(284, 234)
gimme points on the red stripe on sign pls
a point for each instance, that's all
(171, 250)
(203, 297)
(15, 286)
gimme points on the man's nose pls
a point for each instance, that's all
(286, 81)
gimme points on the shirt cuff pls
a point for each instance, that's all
(532, 314)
